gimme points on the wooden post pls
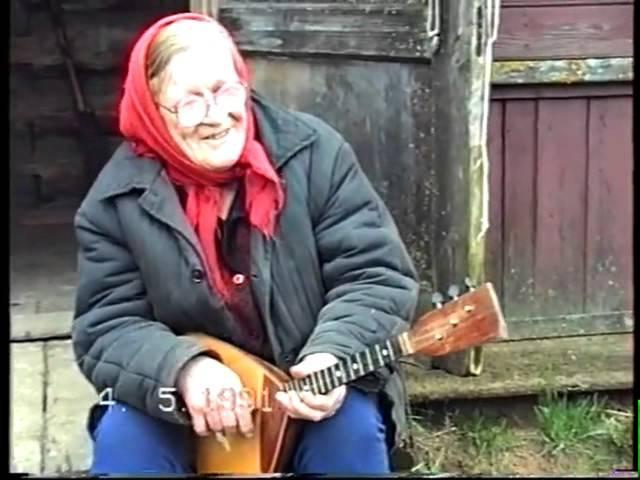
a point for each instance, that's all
(207, 7)
(462, 72)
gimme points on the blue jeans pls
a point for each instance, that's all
(126, 441)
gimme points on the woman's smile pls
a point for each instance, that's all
(217, 137)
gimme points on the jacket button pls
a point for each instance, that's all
(288, 357)
(197, 275)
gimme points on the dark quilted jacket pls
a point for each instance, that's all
(336, 277)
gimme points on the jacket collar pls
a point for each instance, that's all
(282, 132)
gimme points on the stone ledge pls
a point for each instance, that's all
(587, 363)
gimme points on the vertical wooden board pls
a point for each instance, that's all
(609, 279)
(561, 200)
(26, 410)
(496, 189)
(519, 206)
(69, 396)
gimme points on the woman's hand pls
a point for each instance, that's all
(214, 397)
(305, 405)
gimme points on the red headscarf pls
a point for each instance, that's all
(141, 123)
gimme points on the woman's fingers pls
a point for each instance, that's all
(221, 413)
(302, 410)
(199, 423)
(213, 420)
(312, 407)
(244, 419)
(317, 402)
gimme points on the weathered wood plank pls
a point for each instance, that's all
(19, 19)
(22, 188)
(560, 217)
(84, 5)
(345, 28)
(27, 407)
(98, 42)
(101, 41)
(495, 146)
(391, 136)
(43, 271)
(570, 325)
(55, 165)
(565, 32)
(563, 72)
(576, 90)
(562, 3)
(36, 95)
(519, 207)
(67, 444)
(601, 362)
(609, 248)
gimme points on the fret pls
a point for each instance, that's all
(331, 374)
(321, 382)
(318, 378)
(367, 353)
(390, 350)
(380, 359)
(338, 373)
(314, 385)
(327, 379)
(357, 365)
(351, 374)
(306, 384)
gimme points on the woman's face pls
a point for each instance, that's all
(207, 116)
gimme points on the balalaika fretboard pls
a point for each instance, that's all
(358, 365)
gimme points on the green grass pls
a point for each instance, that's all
(569, 425)
(585, 436)
(489, 438)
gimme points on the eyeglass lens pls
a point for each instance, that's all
(193, 109)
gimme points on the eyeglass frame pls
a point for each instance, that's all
(208, 102)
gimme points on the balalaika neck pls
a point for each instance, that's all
(358, 365)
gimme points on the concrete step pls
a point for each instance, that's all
(49, 401)
(530, 367)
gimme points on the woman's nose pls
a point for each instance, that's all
(214, 114)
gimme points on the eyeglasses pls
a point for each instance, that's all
(192, 109)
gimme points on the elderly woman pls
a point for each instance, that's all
(224, 214)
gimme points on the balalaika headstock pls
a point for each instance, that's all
(465, 321)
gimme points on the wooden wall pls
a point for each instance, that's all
(544, 29)
(47, 166)
(559, 139)
(560, 146)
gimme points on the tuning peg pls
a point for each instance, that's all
(437, 299)
(470, 285)
(454, 291)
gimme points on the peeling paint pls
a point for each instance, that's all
(563, 71)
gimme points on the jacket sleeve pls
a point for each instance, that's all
(370, 281)
(117, 344)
